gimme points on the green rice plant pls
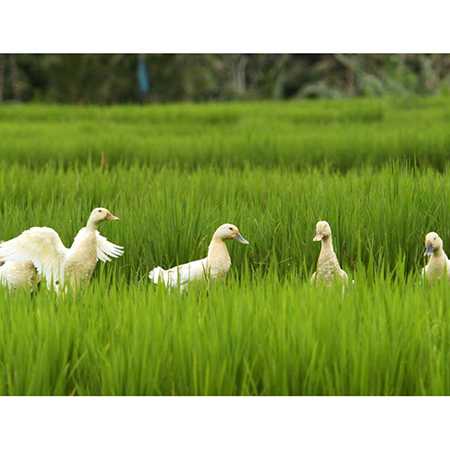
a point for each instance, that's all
(175, 173)
(341, 134)
(168, 215)
(254, 336)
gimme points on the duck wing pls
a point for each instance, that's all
(42, 246)
(180, 275)
(107, 250)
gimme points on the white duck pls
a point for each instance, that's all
(438, 265)
(18, 274)
(56, 263)
(215, 265)
(328, 268)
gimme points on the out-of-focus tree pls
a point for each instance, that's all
(107, 79)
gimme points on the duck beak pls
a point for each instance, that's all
(111, 217)
(241, 239)
(428, 250)
(317, 237)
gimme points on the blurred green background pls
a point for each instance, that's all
(107, 79)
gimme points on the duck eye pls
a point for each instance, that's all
(99, 210)
(231, 229)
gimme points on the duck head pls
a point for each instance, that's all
(230, 231)
(433, 243)
(98, 215)
(323, 231)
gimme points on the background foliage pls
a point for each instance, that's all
(106, 79)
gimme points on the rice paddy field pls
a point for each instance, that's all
(377, 170)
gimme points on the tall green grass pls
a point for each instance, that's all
(175, 173)
(259, 336)
(266, 330)
(340, 134)
(168, 216)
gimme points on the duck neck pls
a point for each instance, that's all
(327, 245)
(217, 250)
(438, 252)
(91, 225)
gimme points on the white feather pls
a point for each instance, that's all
(107, 250)
(42, 246)
(180, 275)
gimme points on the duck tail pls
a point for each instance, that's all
(157, 275)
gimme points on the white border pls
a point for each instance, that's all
(217, 423)
(235, 26)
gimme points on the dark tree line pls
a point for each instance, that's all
(106, 79)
